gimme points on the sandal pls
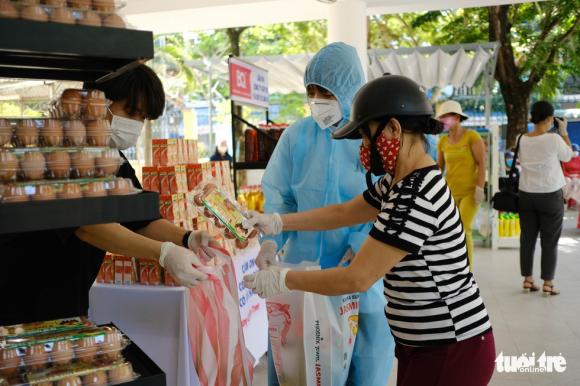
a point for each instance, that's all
(551, 291)
(529, 286)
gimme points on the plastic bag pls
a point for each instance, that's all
(215, 330)
(312, 337)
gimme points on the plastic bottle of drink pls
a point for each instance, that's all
(513, 225)
(501, 225)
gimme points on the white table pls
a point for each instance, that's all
(155, 318)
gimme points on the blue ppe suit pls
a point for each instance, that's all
(310, 170)
(432, 141)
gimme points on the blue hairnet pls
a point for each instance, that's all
(336, 68)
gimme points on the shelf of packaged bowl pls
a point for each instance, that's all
(46, 50)
(29, 216)
(260, 165)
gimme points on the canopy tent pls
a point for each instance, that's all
(440, 66)
(457, 65)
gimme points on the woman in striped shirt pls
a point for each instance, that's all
(417, 245)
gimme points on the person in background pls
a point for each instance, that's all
(307, 170)
(461, 155)
(221, 153)
(432, 145)
(66, 261)
(541, 201)
(417, 245)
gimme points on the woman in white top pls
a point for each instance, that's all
(541, 197)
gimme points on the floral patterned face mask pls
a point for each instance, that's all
(387, 150)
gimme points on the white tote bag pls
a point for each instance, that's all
(312, 337)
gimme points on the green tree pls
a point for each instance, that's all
(538, 47)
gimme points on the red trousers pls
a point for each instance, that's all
(467, 363)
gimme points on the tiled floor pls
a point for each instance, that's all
(526, 323)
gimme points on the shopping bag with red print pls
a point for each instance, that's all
(312, 336)
(215, 330)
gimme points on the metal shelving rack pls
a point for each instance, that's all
(45, 50)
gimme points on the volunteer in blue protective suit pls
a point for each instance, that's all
(310, 170)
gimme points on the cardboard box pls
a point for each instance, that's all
(194, 176)
(168, 280)
(180, 151)
(191, 151)
(128, 277)
(159, 150)
(175, 208)
(182, 179)
(166, 207)
(166, 179)
(155, 274)
(119, 269)
(150, 178)
(171, 152)
(144, 271)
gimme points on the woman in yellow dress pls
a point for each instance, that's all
(461, 155)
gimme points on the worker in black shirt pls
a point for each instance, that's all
(48, 274)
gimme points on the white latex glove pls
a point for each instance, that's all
(479, 195)
(269, 282)
(267, 255)
(562, 126)
(268, 224)
(179, 263)
(200, 240)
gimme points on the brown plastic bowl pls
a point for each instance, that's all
(8, 166)
(62, 15)
(33, 165)
(5, 132)
(8, 10)
(91, 18)
(70, 191)
(34, 12)
(83, 164)
(58, 164)
(43, 193)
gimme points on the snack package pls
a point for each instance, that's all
(225, 213)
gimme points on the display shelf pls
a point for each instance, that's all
(57, 214)
(508, 242)
(261, 165)
(44, 50)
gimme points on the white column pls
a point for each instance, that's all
(347, 22)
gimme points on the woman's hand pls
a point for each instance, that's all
(562, 126)
(267, 224)
(268, 282)
(479, 195)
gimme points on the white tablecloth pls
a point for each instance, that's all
(155, 318)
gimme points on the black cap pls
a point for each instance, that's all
(387, 96)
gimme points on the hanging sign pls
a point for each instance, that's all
(248, 83)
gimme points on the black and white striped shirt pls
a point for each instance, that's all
(432, 297)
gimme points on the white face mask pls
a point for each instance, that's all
(326, 112)
(125, 132)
